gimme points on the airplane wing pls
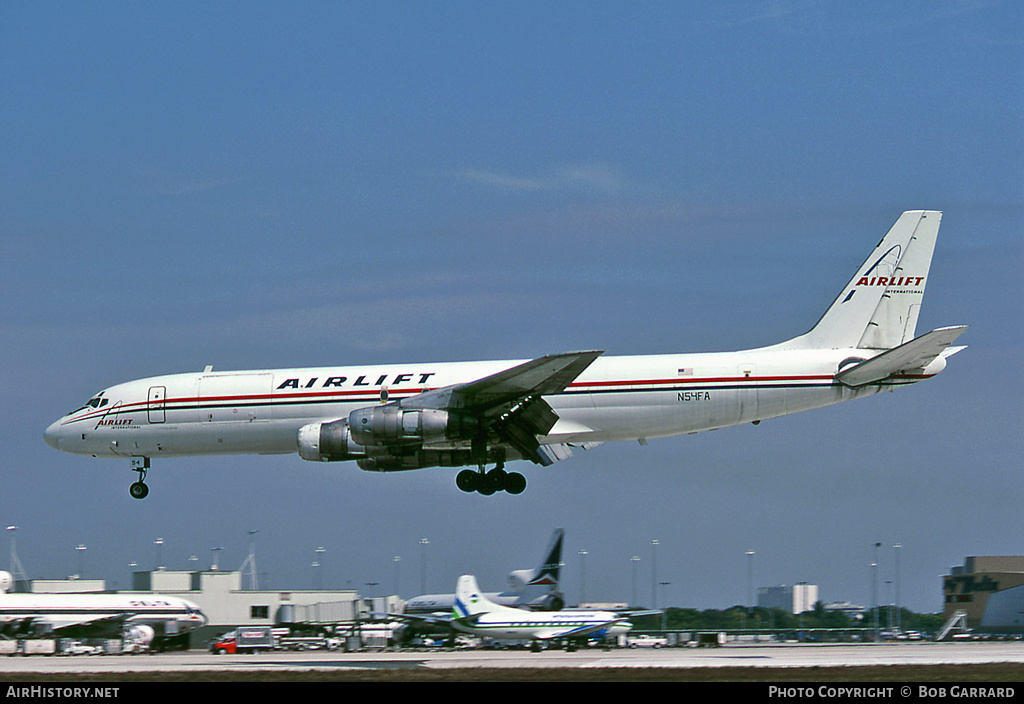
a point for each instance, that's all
(425, 619)
(93, 628)
(86, 628)
(577, 632)
(510, 402)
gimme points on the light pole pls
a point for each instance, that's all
(664, 612)
(874, 587)
(583, 576)
(750, 582)
(896, 554)
(888, 609)
(396, 560)
(654, 574)
(318, 567)
(81, 554)
(423, 565)
(635, 559)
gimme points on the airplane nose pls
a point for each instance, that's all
(52, 435)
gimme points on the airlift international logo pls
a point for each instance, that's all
(361, 380)
(114, 423)
(890, 281)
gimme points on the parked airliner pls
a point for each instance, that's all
(533, 589)
(411, 416)
(476, 615)
(144, 617)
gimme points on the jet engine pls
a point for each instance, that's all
(392, 425)
(383, 460)
(140, 635)
(328, 442)
(388, 438)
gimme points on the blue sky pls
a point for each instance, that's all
(272, 184)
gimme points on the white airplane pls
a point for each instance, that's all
(145, 618)
(535, 589)
(412, 416)
(476, 615)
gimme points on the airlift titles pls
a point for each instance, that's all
(382, 383)
(339, 381)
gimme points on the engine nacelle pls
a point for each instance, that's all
(328, 442)
(381, 460)
(140, 634)
(394, 426)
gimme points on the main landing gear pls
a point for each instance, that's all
(487, 483)
(139, 489)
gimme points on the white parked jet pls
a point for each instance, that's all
(476, 615)
(95, 615)
(533, 589)
(412, 416)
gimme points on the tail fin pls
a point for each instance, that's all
(546, 573)
(878, 309)
(469, 600)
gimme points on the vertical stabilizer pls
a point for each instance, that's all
(546, 573)
(469, 601)
(878, 308)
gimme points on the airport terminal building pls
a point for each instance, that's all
(989, 590)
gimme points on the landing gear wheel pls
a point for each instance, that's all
(466, 480)
(139, 490)
(515, 483)
(485, 484)
(497, 478)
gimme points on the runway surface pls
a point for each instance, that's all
(737, 656)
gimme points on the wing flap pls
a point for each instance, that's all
(545, 375)
(511, 401)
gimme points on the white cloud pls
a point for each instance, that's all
(585, 177)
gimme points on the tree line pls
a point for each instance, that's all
(760, 618)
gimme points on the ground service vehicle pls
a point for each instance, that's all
(244, 640)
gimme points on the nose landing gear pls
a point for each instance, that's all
(139, 489)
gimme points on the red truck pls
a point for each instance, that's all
(252, 639)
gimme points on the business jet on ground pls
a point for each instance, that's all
(411, 416)
(149, 618)
(477, 615)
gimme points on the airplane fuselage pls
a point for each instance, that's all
(616, 398)
(106, 613)
(518, 624)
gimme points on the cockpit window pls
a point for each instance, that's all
(96, 401)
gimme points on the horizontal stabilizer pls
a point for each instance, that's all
(910, 356)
